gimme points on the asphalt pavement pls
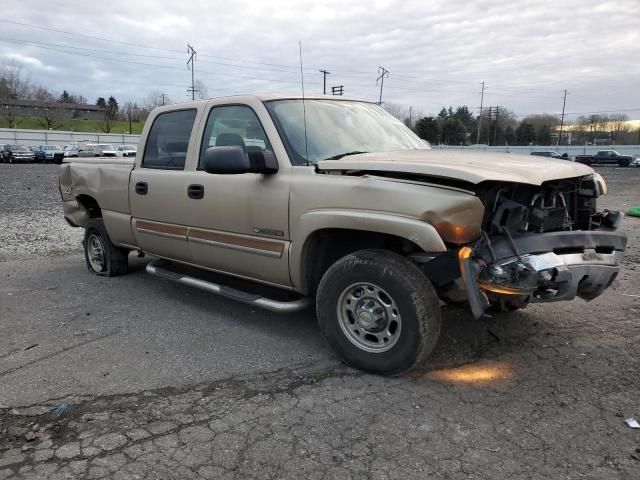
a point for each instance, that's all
(138, 377)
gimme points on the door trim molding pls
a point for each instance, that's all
(259, 246)
(216, 238)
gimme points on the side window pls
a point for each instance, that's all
(234, 125)
(168, 140)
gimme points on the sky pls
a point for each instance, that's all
(437, 52)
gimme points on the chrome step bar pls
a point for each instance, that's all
(154, 268)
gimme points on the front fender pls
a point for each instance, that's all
(421, 233)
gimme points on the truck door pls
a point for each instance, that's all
(158, 186)
(239, 223)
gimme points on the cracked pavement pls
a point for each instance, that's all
(156, 381)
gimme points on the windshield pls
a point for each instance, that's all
(338, 127)
(128, 147)
(51, 147)
(19, 148)
(104, 146)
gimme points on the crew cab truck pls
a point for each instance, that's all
(339, 204)
(606, 157)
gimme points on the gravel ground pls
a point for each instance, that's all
(31, 221)
(177, 384)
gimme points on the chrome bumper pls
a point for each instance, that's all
(550, 277)
(541, 267)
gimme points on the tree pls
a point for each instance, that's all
(544, 135)
(428, 128)
(132, 112)
(397, 110)
(453, 132)
(510, 135)
(202, 92)
(13, 87)
(110, 113)
(65, 97)
(466, 117)
(525, 133)
(157, 99)
(101, 102)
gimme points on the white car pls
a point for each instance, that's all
(636, 162)
(127, 150)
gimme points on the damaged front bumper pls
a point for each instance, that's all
(540, 267)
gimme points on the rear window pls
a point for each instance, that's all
(168, 140)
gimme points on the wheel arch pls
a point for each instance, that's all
(323, 237)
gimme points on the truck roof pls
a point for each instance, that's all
(265, 97)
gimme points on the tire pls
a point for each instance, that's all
(393, 292)
(623, 163)
(102, 256)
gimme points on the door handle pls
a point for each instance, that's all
(195, 191)
(142, 188)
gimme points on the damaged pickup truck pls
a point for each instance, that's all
(337, 203)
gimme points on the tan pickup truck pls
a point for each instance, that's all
(338, 203)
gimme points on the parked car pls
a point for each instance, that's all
(551, 154)
(52, 153)
(606, 157)
(39, 154)
(636, 162)
(71, 150)
(17, 154)
(127, 151)
(97, 150)
(374, 240)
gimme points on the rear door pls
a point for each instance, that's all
(158, 186)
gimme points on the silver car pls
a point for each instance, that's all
(127, 150)
(97, 150)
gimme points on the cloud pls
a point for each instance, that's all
(437, 52)
(30, 62)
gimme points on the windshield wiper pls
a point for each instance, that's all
(340, 155)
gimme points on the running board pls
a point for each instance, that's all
(249, 298)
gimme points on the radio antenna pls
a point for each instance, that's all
(304, 108)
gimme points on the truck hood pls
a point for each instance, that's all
(467, 165)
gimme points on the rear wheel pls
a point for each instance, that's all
(102, 256)
(623, 163)
(378, 312)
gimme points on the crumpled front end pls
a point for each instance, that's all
(542, 245)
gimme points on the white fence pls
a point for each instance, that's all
(61, 137)
(572, 150)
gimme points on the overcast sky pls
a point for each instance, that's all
(437, 53)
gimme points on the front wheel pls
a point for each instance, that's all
(102, 256)
(378, 312)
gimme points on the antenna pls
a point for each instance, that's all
(304, 108)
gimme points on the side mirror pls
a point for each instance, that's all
(226, 160)
(231, 160)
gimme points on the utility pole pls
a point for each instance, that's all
(410, 117)
(163, 101)
(337, 90)
(480, 116)
(324, 81)
(191, 61)
(564, 102)
(495, 130)
(383, 73)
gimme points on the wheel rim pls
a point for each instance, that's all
(369, 317)
(96, 252)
